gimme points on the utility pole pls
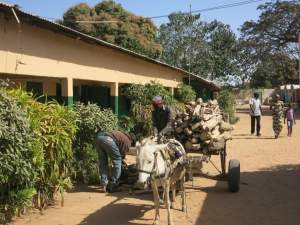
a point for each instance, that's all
(299, 55)
(190, 44)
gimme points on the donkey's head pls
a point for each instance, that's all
(146, 159)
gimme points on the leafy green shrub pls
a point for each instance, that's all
(126, 123)
(141, 104)
(17, 175)
(91, 119)
(227, 104)
(143, 94)
(185, 93)
(178, 107)
(53, 129)
(142, 115)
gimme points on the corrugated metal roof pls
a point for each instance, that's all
(56, 27)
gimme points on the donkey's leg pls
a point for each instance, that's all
(183, 194)
(167, 201)
(156, 202)
(173, 192)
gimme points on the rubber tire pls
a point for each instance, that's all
(234, 175)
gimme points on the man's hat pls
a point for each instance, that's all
(157, 100)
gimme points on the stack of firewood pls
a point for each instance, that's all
(202, 126)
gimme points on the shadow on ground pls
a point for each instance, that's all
(118, 212)
(271, 197)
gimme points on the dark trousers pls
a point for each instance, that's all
(257, 118)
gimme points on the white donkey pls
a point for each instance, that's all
(157, 169)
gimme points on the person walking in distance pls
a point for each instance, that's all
(277, 111)
(255, 113)
(289, 117)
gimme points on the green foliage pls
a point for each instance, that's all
(86, 165)
(53, 129)
(206, 48)
(17, 175)
(91, 119)
(142, 115)
(126, 29)
(272, 44)
(227, 104)
(126, 123)
(141, 104)
(185, 93)
(143, 94)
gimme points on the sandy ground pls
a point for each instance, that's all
(269, 192)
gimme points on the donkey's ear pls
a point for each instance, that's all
(137, 144)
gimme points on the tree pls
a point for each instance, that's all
(207, 49)
(119, 26)
(278, 25)
(272, 41)
(222, 51)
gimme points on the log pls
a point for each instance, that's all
(186, 118)
(207, 117)
(225, 126)
(188, 132)
(192, 103)
(212, 123)
(196, 147)
(188, 145)
(227, 136)
(196, 135)
(202, 125)
(195, 140)
(178, 130)
(199, 101)
(197, 111)
(217, 145)
(179, 121)
(196, 126)
(204, 136)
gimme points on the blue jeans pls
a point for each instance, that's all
(107, 148)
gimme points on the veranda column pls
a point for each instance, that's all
(67, 91)
(171, 89)
(114, 97)
(172, 92)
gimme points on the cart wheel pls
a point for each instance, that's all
(234, 175)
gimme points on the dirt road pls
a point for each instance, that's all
(269, 195)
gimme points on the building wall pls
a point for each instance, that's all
(38, 52)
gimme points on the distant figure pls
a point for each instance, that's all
(277, 109)
(289, 116)
(255, 113)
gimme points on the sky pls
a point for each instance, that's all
(235, 16)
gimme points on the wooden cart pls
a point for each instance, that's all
(231, 175)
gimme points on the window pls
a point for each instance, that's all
(35, 87)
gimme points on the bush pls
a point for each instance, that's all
(17, 175)
(91, 119)
(185, 93)
(126, 123)
(141, 104)
(53, 128)
(143, 94)
(227, 104)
